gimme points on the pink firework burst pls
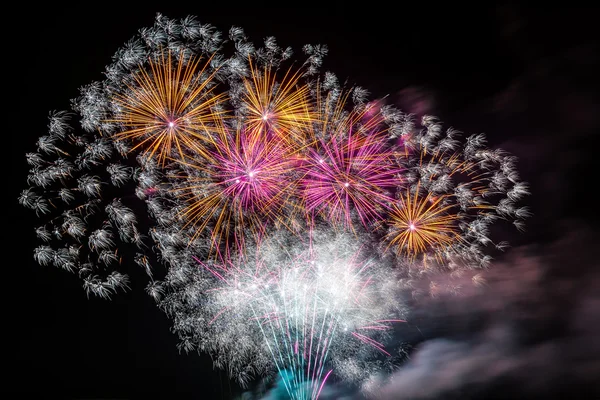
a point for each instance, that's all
(255, 171)
(248, 181)
(351, 173)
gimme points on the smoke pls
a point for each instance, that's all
(416, 100)
(531, 330)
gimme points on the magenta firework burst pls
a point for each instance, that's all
(247, 185)
(351, 175)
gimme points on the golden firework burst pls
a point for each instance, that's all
(422, 224)
(170, 106)
(279, 105)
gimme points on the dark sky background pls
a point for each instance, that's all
(527, 77)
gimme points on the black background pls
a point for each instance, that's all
(525, 76)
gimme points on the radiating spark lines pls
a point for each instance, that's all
(171, 107)
(307, 310)
(249, 183)
(351, 169)
(421, 222)
(280, 107)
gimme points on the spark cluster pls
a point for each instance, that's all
(301, 307)
(82, 230)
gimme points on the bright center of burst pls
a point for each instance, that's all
(171, 124)
(346, 184)
(251, 174)
(265, 117)
(412, 227)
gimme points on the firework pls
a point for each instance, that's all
(419, 222)
(351, 169)
(246, 186)
(258, 181)
(280, 107)
(453, 192)
(306, 308)
(170, 106)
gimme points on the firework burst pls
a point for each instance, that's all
(247, 186)
(351, 169)
(453, 192)
(421, 222)
(171, 105)
(277, 106)
(306, 308)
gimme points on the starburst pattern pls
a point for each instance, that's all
(453, 192)
(280, 106)
(420, 223)
(170, 106)
(247, 186)
(351, 169)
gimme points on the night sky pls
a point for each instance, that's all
(526, 77)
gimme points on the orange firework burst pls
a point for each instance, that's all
(422, 223)
(282, 107)
(170, 106)
(429, 220)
